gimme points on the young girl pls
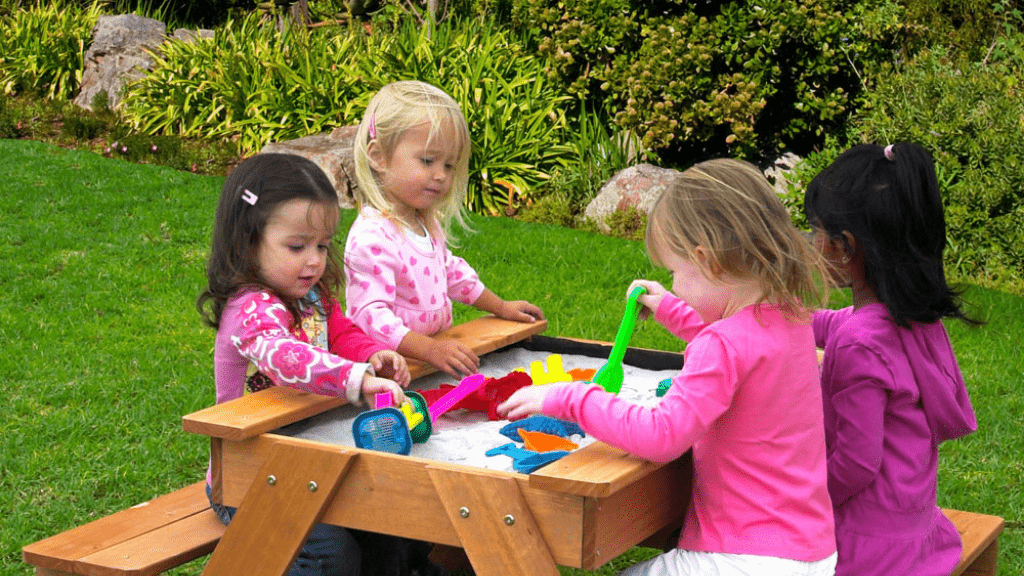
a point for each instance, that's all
(890, 381)
(412, 167)
(747, 400)
(271, 276)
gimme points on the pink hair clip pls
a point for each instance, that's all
(888, 153)
(249, 197)
(372, 130)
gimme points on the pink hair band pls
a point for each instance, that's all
(888, 153)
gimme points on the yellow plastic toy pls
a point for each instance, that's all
(412, 417)
(554, 372)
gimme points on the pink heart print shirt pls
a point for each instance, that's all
(395, 285)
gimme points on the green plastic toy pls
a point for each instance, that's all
(609, 376)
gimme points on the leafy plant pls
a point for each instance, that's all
(256, 85)
(42, 48)
(252, 84)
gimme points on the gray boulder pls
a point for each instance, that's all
(332, 153)
(637, 186)
(117, 55)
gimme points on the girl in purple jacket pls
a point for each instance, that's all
(891, 386)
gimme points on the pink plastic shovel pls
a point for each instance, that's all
(469, 384)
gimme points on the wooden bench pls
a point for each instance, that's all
(171, 530)
(980, 534)
(146, 539)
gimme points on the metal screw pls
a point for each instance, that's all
(271, 479)
(312, 486)
(510, 519)
(464, 512)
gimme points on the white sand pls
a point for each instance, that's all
(462, 436)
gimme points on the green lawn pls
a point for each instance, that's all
(101, 264)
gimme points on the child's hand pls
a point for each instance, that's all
(454, 358)
(651, 299)
(391, 364)
(520, 311)
(524, 402)
(373, 385)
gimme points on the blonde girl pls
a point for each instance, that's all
(412, 167)
(747, 401)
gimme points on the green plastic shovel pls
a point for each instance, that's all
(609, 376)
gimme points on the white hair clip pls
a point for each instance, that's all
(249, 197)
(888, 153)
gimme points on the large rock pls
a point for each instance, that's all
(117, 55)
(637, 186)
(332, 153)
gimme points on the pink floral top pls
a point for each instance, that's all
(395, 286)
(256, 328)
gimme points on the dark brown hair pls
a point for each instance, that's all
(250, 195)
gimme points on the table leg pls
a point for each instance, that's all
(279, 511)
(494, 524)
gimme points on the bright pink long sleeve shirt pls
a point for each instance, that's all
(394, 286)
(748, 402)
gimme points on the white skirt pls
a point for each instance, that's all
(681, 562)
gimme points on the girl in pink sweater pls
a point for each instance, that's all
(412, 165)
(747, 401)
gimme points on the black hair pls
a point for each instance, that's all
(250, 195)
(889, 200)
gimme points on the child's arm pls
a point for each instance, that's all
(259, 326)
(701, 393)
(517, 310)
(348, 341)
(669, 310)
(859, 403)
(453, 358)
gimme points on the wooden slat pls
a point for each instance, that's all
(596, 470)
(275, 518)
(494, 523)
(157, 551)
(980, 534)
(279, 406)
(394, 494)
(62, 551)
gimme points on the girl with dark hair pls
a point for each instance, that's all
(272, 276)
(891, 386)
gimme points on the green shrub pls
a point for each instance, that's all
(42, 48)
(739, 78)
(968, 115)
(257, 85)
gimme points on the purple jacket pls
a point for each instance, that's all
(891, 396)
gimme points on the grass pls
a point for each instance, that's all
(102, 260)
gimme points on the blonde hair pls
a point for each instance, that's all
(395, 108)
(728, 208)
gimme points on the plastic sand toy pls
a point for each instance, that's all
(384, 429)
(609, 376)
(526, 461)
(540, 423)
(467, 386)
(541, 442)
(554, 372)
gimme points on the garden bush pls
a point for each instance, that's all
(740, 78)
(42, 48)
(968, 115)
(257, 85)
